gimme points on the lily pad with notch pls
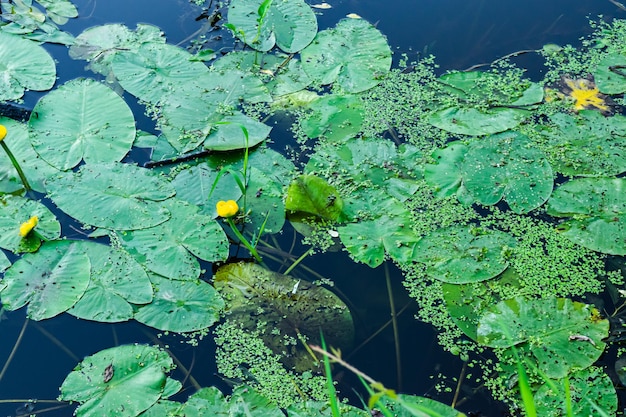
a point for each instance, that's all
(17, 210)
(122, 381)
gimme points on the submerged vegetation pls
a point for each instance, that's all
(500, 198)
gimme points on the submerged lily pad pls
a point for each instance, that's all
(121, 381)
(81, 120)
(116, 281)
(507, 166)
(168, 248)
(25, 65)
(598, 210)
(113, 196)
(289, 24)
(572, 338)
(181, 306)
(353, 53)
(50, 281)
(287, 305)
(462, 254)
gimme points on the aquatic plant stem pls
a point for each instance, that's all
(16, 165)
(458, 385)
(15, 346)
(243, 240)
(297, 261)
(396, 334)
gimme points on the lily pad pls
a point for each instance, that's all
(474, 122)
(81, 120)
(289, 24)
(181, 306)
(287, 305)
(313, 195)
(25, 65)
(445, 173)
(591, 389)
(50, 281)
(154, 69)
(571, 339)
(610, 76)
(586, 144)
(507, 166)
(597, 207)
(354, 54)
(168, 248)
(35, 169)
(121, 381)
(461, 254)
(335, 117)
(17, 210)
(116, 281)
(113, 196)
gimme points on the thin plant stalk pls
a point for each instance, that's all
(330, 385)
(243, 240)
(396, 333)
(17, 166)
(297, 261)
(15, 346)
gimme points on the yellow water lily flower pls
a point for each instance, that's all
(29, 225)
(3, 132)
(585, 94)
(227, 208)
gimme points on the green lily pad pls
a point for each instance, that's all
(17, 210)
(586, 144)
(116, 281)
(445, 173)
(35, 169)
(25, 66)
(168, 248)
(247, 402)
(113, 196)
(287, 305)
(610, 77)
(461, 254)
(208, 401)
(570, 339)
(590, 389)
(121, 381)
(597, 207)
(181, 306)
(289, 24)
(412, 405)
(98, 45)
(313, 195)
(81, 120)
(50, 281)
(474, 122)
(154, 69)
(507, 166)
(335, 117)
(60, 11)
(353, 53)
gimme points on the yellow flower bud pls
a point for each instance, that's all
(26, 227)
(227, 208)
(3, 132)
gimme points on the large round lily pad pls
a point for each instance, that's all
(181, 306)
(113, 196)
(572, 338)
(597, 207)
(81, 120)
(25, 65)
(288, 306)
(353, 53)
(50, 281)
(464, 254)
(507, 166)
(121, 381)
(474, 122)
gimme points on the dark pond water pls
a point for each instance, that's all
(459, 33)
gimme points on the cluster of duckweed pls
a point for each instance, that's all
(262, 368)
